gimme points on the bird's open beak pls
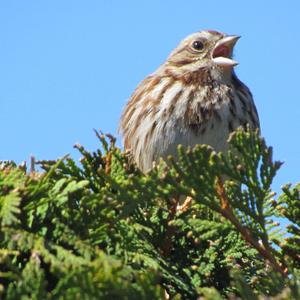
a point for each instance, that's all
(222, 52)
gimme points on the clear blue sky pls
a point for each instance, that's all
(69, 66)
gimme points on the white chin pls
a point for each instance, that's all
(224, 61)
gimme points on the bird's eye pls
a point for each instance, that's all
(198, 45)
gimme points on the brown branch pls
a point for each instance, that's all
(227, 212)
(108, 163)
(185, 205)
(32, 164)
(166, 245)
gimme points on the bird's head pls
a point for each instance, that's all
(205, 50)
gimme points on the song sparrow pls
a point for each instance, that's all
(193, 98)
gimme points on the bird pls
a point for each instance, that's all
(194, 97)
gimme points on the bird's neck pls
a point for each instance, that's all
(222, 75)
(201, 76)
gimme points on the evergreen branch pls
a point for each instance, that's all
(55, 222)
(227, 212)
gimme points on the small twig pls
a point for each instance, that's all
(112, 139)
(227, 212)
(32, 164)
(108, 163)
(23, 166)
(185, 205)
(166, 246)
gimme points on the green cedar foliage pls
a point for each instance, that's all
(104, 230)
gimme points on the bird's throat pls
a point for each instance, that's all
(222, 74)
